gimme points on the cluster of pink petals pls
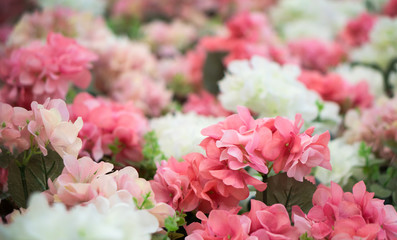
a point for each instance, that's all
(242, 141)
(378, 128)
(249, 34)
(356, 31)
(201, 183)
(332, 87)
(107, 122)
(204, 103)
(390, 8)
(38, 72)
(343, 215)
(309, 50)
(83, 180)
(260, 223)
(46, 123)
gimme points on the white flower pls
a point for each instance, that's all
(344, 159)
(329, 119)
(96, 7)
(359, 73)
(326, 16)
(180, 134)
(382, 47)
(268, 89)
(42, 222)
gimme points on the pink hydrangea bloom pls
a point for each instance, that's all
(308, 50)
(205, 104)
(38, 71)
(332, 87)
(242, 141)
(83, 180)
(356, 31)
(106, 123)
(343, 215)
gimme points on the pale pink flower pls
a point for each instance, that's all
(38, 71)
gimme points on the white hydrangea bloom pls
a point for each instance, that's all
(327, 16)
(96, 7)
(329, 119)
(344, 159)
(268, 89)
(358, 73)
(180, 134)
(382, 47)
(42, 222)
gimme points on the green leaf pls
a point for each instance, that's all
(175, 235)
(305, 237)
(171, 224)
(159, 236)
(380, 192)
(289, 192)
(213, 71)
(37, 172)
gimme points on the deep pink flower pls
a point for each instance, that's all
(109, 123)
(356, 31)
(390, 8)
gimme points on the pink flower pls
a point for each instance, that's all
(390, 8)
(308, 50)
(220, 224)
(171, 185)
(332, 87)
(38, 71)
(109, 123)
(356, 31)
(205, 104)
(340, 215)
(270, 222)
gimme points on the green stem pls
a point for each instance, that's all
(264, 193)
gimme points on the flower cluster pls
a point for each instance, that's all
(376, 127)
(333, 87)
(110, 128)
(36, 72)
(219, 179)
(103, 220)
(83, 181)
(261, 222)
(46, 124)
(344, 215)
(357, 30)
(268, 89)
(204, 104)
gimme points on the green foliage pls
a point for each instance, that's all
(151, 155)
(172, 224)
(305, 237)
(288, 191)
(213, 71)
(126, 26)
(33, 176)
(146, 203)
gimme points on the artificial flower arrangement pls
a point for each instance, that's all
(198, 120)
